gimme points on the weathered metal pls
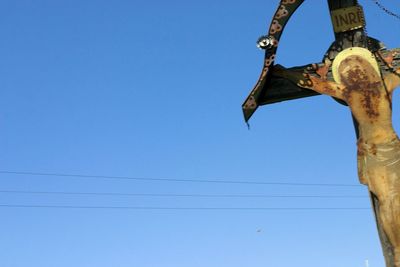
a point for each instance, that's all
(347, 19)
(282, 15)
(360, 72)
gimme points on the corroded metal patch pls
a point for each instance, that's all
(283, 13)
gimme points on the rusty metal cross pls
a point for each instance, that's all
(358, 71)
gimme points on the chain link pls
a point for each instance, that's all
(376, 54)
(367, 40)
(386, 10)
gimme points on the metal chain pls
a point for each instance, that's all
(378, 58)
(367, 40)
(376, 54)
(386, 10)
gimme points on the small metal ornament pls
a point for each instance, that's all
(265, 42)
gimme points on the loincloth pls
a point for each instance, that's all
(379, 165)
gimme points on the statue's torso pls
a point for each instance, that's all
(368, 98)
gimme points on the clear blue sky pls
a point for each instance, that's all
(153, 89)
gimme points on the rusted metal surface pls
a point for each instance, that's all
(347, 19)
(271, 89)
(283, 13)
(278, 89)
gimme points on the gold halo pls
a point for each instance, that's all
(353, 51)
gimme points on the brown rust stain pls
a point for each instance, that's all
(360, 148)
(275, 27)
(374, 150)
(306, 82)
(282, 12)
(359, 77)
(316, 79)
(323, 71)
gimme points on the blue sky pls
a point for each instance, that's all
(153, 89)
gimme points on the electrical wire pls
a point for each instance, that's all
(175, 195)
(174, 180)
(167, 208)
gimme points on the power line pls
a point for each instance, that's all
(175, 195)
(173, 179)
(167, 208)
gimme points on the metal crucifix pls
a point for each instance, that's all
(357, 71)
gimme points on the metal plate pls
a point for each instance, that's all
(347, 19)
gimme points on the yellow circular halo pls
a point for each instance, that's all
(353, 51)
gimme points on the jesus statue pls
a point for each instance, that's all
(358, 81)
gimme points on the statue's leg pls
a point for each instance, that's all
(383, 168)
(388, 251)
(389, 210)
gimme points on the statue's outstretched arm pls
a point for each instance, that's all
(313, 77)
(390, 63)
(392, 80)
